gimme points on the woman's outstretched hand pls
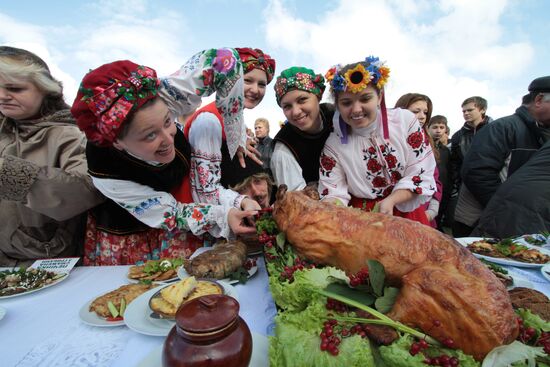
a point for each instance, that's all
(237, 223)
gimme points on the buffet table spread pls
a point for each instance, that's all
(44, 328)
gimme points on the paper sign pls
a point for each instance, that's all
(61, 265)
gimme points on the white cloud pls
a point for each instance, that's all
(449, 50)
(143, 33)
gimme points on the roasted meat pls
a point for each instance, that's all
(219, 262)
(532, 300)
(440, 281)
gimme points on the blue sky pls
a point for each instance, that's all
(448, 49)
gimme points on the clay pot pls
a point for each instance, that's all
(208, 332)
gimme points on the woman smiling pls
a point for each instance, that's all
(374, 155)
(139, 158)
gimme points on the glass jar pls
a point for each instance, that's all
(208, 332)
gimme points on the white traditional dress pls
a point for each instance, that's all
(358, 165)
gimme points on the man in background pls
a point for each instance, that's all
(501, 150)
(261, 129)
(466, 208)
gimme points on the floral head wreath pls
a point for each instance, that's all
(108, 95)
(359, 77)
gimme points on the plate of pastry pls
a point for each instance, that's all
(107, 310)
(506, 251)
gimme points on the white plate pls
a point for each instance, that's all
(182, 274)
(65, 276)
(465, 241)
(137, 314)
(91, 318)
(545, 271)
(2, 312)
(259, 358)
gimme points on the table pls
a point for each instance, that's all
(44, 329)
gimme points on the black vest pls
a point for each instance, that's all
(112, 163)
(307, 148)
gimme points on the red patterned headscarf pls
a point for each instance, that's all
(109, 95)
(254, 58)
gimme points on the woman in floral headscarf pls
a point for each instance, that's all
(374, 155)
(139, 158)
(298, 145)
(209, 143)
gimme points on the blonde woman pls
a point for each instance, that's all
(44, 187)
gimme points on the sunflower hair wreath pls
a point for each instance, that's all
(358, 78)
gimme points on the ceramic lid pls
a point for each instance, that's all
(207, 314)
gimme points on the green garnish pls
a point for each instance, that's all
(494, 267)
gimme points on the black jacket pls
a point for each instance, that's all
(498, 151)
(521, 205)
(460, 144)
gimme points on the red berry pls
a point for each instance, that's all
(448, 342)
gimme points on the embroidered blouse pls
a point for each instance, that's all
(161, 210)
(205, 137)
(369, 167)
(217, 71)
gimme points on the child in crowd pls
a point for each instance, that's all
(374, 155)
(437, 128)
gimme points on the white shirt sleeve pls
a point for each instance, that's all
(205, 138)
(286, 169)
(418, 176)
(159, 209)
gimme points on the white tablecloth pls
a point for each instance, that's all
(44, 329)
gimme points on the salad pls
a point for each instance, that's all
(24, 280)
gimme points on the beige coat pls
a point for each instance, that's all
(45, 191)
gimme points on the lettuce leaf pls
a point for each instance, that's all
(297, 342)
(397, 354)
(505, 355)
(532, 320)
(297, 295)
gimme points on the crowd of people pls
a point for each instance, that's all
(135, 170)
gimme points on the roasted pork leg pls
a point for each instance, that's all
(441, 282)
